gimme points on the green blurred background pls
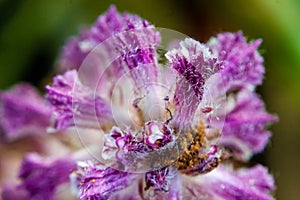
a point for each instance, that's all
(33, 31)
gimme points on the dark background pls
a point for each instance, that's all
(33, 31)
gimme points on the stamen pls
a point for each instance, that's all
(191, 155)
(171, 116)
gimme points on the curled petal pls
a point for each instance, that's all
(244, 128)
(23, 112)
(40, 177)
(157, 134)
(76, 104)
(243, 65)
(99, 182)
(151, 147)
(194, 64)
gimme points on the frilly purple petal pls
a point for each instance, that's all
(243, 65)
(23, 112)
(76, 104)
(40, 177)
(99, 182)
(139, 36)
(226, 183)
(244, 128)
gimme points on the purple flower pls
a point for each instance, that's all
(173, 152)
(170, 131)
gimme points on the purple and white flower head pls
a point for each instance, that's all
(175, 115)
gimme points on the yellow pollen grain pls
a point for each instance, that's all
(195, 139)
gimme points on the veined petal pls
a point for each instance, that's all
(226, 183)
(133, 41)
(23, 112)
(244, 128)
(76, 104)
(41, 176)
(194, 64)
(243, 65)
(100, 182)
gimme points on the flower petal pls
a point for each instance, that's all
(194, 64)
(40, 176)
(244, 127)
(226, 183)
(124, 35)
(23, 112)
(243, 65)
(100, 182)
(76, 104)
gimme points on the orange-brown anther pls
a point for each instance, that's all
(195, 139)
